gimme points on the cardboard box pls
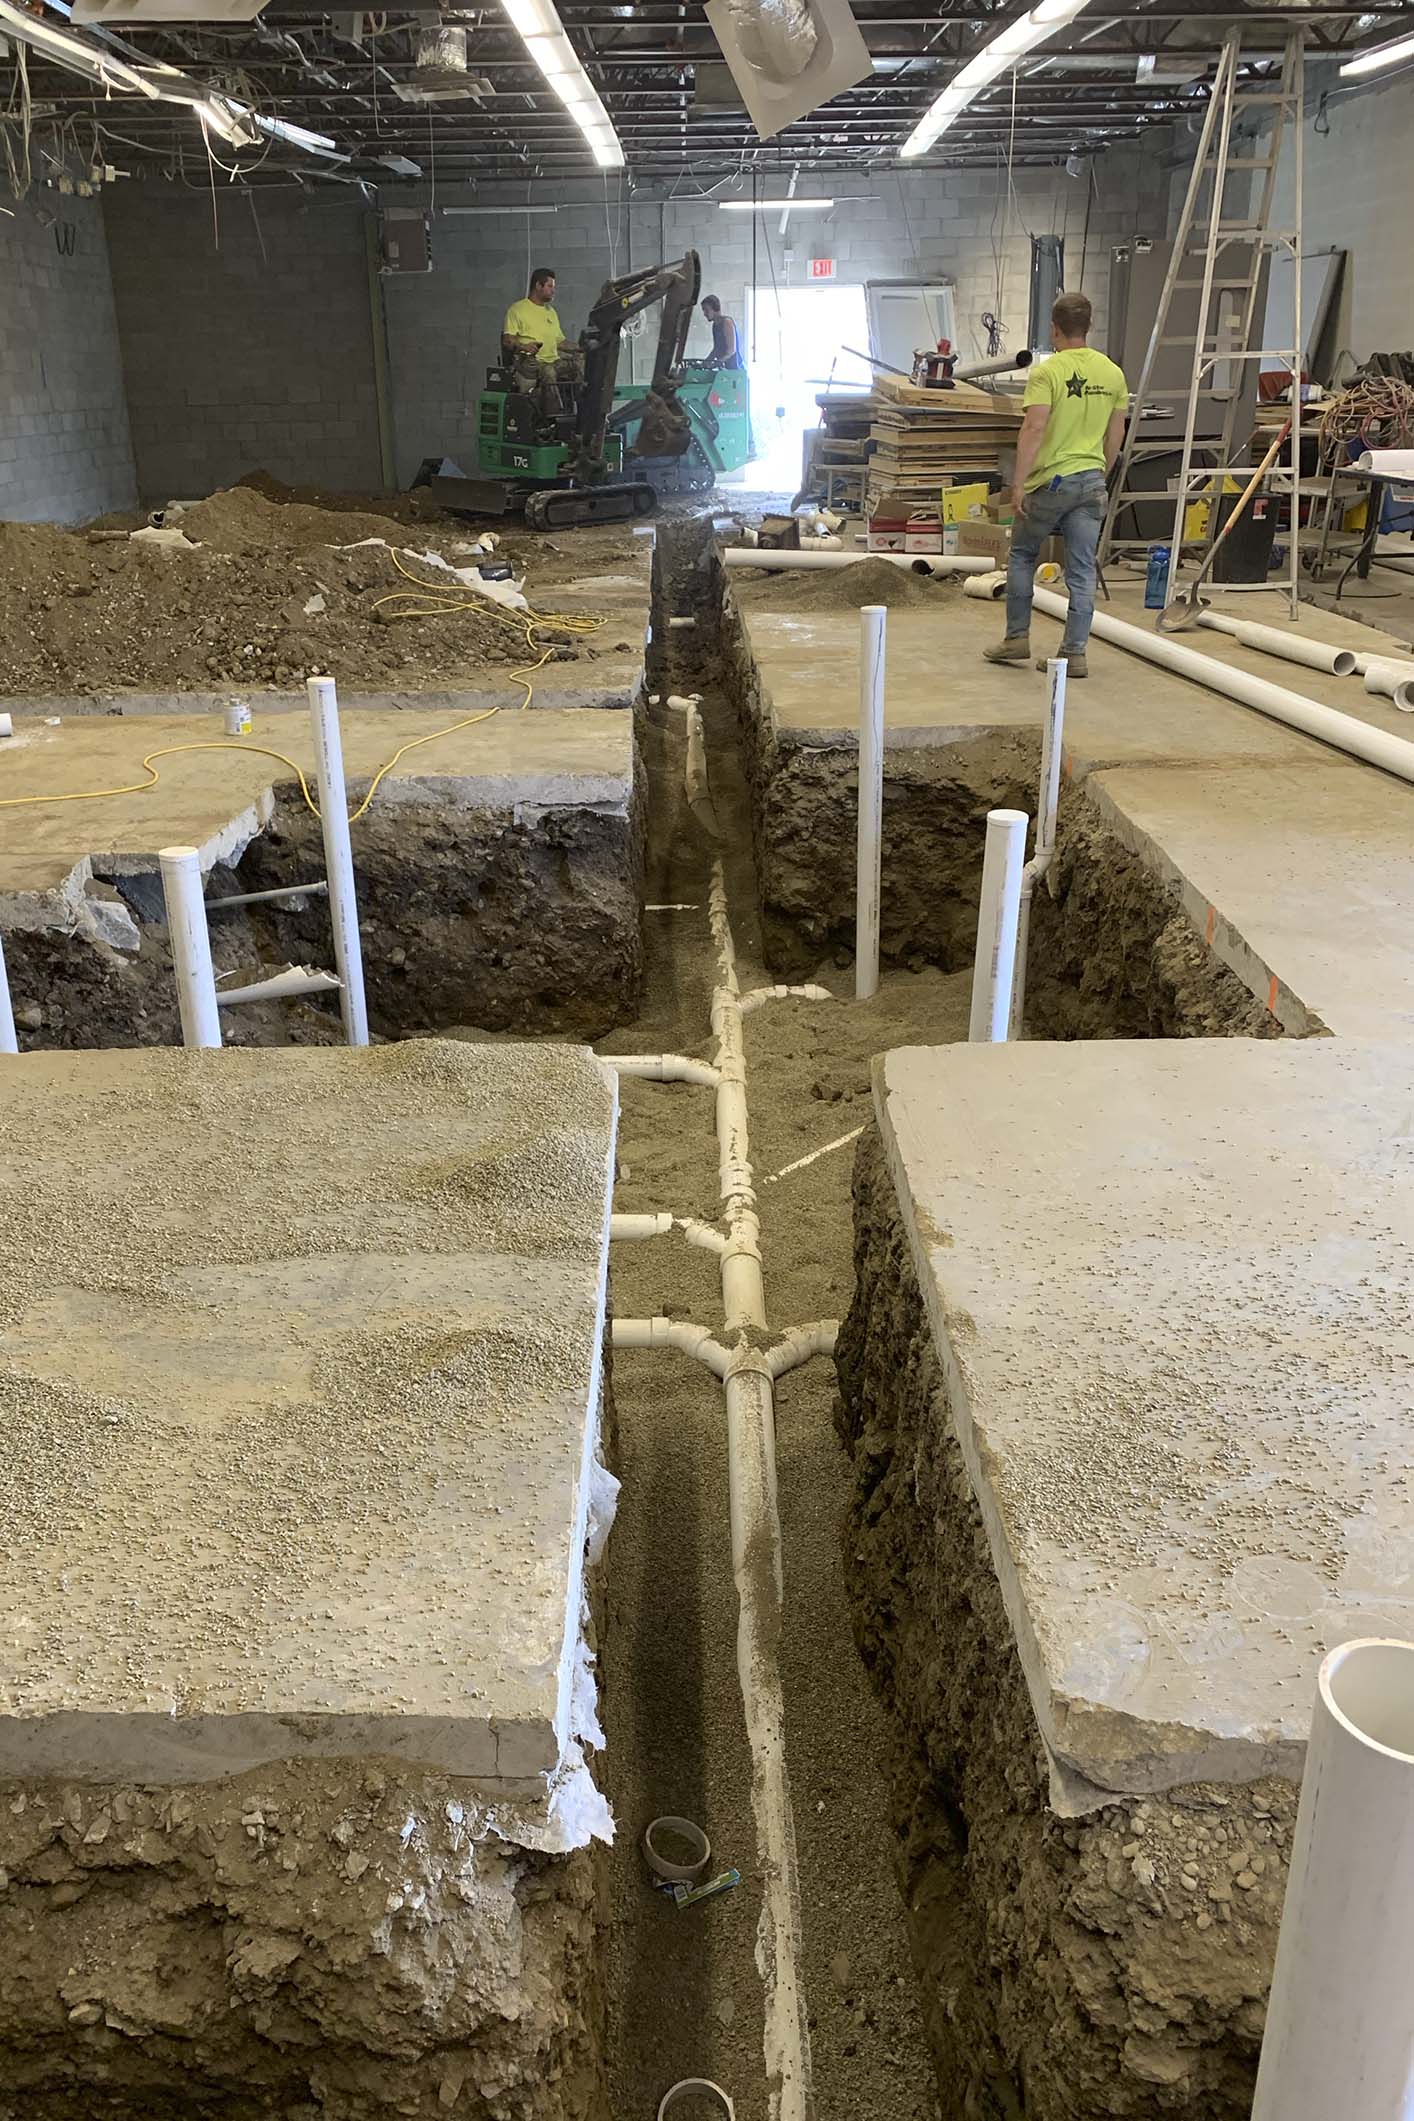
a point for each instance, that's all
(985, 541)
(928, 539)
(900, 525)
(965, 504)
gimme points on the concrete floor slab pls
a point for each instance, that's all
(1300, 881)
(300, 1362)
(1127, 711)
(1169, 1284)
(217, 797)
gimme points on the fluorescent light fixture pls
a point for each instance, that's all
(996, 58)
(541, 31)
(773, 206)
(1383, 55)
(498, 209)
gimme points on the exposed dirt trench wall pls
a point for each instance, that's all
(1110, 1966)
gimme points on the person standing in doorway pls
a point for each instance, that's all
(726, 339)
(532, 325)
(1072, 429)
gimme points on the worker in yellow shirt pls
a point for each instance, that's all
(531, 325)
(1072, 429)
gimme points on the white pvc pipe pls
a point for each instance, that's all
(338, 856)
(1047, 805)
(190, 943)
(664, 1068)
(1394, 680)
(759, 996)
(9, 1043)
(989, 586)
(994, 967)
(1395, 754)
(869, 852)
(295, 979)
(1387, 463)
(1291, 647)
(1340, 2030)
(695, 1341)
(935, 563)
(628, 1228)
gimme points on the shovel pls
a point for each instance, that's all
(1186, 611)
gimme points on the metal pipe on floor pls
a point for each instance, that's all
(190, 944)
(9, 1042)
(1291, 647)
(869, 853)
(338, 856)
(1394, 754)
(1047, 803)
(994, 967)
(1338, 2035)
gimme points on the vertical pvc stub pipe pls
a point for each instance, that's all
(338, 856)
(994, 967)
(190, 943)
(1340, 2031)
(869, 845)
(9, 1043)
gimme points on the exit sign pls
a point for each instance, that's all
(822, 268)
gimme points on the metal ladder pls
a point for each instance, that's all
(1210, 227)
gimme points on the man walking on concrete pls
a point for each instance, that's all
(1071, 432)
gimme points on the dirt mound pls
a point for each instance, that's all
(869, 581)
(242, 520)
(414, 507)
(245, 609)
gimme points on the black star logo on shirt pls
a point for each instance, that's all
(1075, 386)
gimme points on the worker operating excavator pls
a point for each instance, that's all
(545, 363)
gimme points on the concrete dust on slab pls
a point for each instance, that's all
(1184, 1407)
(301, 1369)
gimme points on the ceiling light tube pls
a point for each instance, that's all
(996, 57)
(1383, 55)
(541, 31)
(772, 206)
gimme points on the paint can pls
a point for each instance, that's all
(239, 721)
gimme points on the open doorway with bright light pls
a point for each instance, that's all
(795, 348)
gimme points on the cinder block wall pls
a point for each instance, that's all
(247, 344)
(1357, 199)
(64, 448)
(261, 353)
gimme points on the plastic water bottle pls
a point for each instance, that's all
(1156, 582)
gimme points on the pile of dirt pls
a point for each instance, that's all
(868, 581)
(414, 507)
(266, 598)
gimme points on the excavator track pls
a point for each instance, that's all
(562, 507)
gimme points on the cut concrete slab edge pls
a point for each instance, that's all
(454, 700)
(1185, 1756)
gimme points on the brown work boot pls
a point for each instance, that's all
(1016, 648)
(1075, 663)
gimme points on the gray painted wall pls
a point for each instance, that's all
(260, 353)
(254, 350)
(1358, 199)
(64, 448)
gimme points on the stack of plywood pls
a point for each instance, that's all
(923, 438)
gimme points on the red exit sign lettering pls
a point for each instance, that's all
(822, 268)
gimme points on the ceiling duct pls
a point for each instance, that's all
(439, 73)
(788, 56)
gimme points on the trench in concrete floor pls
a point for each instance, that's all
(877, 1820)
(684, 1993)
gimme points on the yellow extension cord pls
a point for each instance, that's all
(427, 600)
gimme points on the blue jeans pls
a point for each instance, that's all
(1074, 507)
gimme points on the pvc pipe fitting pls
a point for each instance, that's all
(696, 2088)
(869, 826)
(190, 943)
(338, 856)
(1393, 679)
(1338, 2037)
(685, 1830)
(939, 564)
(990, 586)
(994, 967)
